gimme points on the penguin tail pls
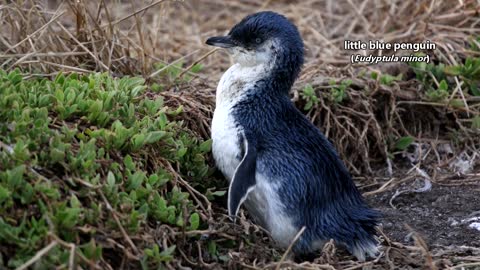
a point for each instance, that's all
(366, 248)
(364, 241)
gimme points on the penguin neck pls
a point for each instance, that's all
(238, 80)
(274, 77)
(285, 71)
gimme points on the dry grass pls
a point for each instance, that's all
(130, 37)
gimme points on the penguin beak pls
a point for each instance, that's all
(222, 42)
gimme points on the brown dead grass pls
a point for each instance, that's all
(43, 38)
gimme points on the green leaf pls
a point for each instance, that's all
(74, 202)
(4, 194)
(136, 180)
(308, 90)
(403, 143)
(110, 179)
(92, 251)
(308, 105)
(212, 248)
(469, 62)
(453, 70)
(194, 221)
(178, 111)
(457, 103)
(388, 79)
(211, 195)
(129, 164)
(443, 85)
(196, 68)
(166, 255)
(16, 176)
(474, 89)
(68, 217)
(15, 77)
(476, 122)
(155, 136)
(219, 193)
(162, 120)
(181, 152)
(59, 95)
(179, 222)
(96, 107)
(57, 155)
(206, 146)
(60, 78)
(138, 141)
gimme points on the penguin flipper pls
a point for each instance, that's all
(243, 180)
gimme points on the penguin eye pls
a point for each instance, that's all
(258, 40)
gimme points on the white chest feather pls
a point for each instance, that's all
(233, 84)
(263, 202)
(225, 149)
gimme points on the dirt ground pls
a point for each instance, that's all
(435, 215)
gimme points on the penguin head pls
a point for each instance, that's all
(264, 38)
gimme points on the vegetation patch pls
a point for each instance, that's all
(88, 162)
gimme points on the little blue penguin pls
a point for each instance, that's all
(278, 164)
